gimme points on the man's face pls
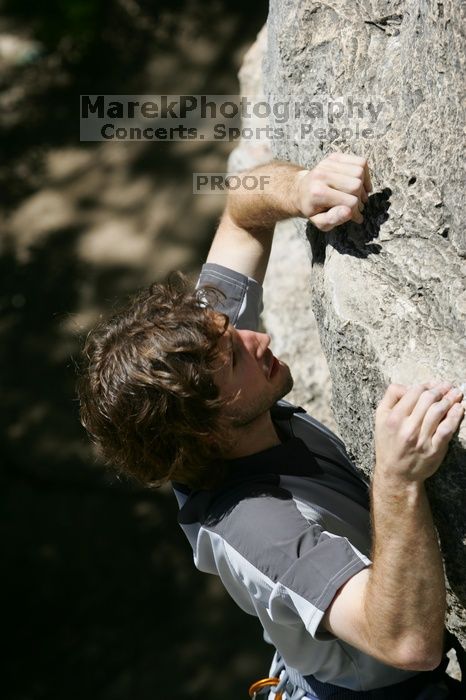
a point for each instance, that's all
(250, 374)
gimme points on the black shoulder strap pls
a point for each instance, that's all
(283, 410)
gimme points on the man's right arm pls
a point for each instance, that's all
(330, 194)
(395, 609)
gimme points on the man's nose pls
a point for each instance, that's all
(256, 343)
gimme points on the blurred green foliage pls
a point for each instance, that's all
(51, 21)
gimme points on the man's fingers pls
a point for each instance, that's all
(333, 217)
(329, 169)
(345, 183)
(340, 179)
(354, 160)
(437, 412)
(367, 178)
(392, 395)
(448, 427)
(430, 402)
(326, 197)
(357, 216)
(412, 399)
(431, 383)
(344, 168)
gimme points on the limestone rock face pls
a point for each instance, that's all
(287, 312)
(389, 296)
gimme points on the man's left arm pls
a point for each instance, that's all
(330, 194)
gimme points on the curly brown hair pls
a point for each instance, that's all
(146, 390)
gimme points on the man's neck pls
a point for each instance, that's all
(254, 437)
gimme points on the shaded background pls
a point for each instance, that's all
(101, 598)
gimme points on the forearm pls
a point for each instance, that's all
(271, 200)
(328, 195)
(244, 238)
(405, 600)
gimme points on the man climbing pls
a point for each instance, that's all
(346, 580)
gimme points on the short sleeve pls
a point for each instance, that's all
(242, 301)
(294, 563)
(310, 584)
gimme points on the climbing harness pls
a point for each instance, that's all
(263, 684)
(287, 684)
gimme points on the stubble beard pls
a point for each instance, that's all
(245, 416)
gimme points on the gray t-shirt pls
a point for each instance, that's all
(288, 528)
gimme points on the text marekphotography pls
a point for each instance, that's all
(230, 117)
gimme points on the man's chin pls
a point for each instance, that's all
(240, 418)
(287, 383)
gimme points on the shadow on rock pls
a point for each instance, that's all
(351, 238)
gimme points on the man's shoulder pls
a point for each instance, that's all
(259, 522)
(240, 296)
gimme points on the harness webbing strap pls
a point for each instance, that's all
(427, 685)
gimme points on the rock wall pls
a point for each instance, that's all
(389, 296)
(287, 315)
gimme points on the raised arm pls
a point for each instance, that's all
(329, 195)
(395, 610)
